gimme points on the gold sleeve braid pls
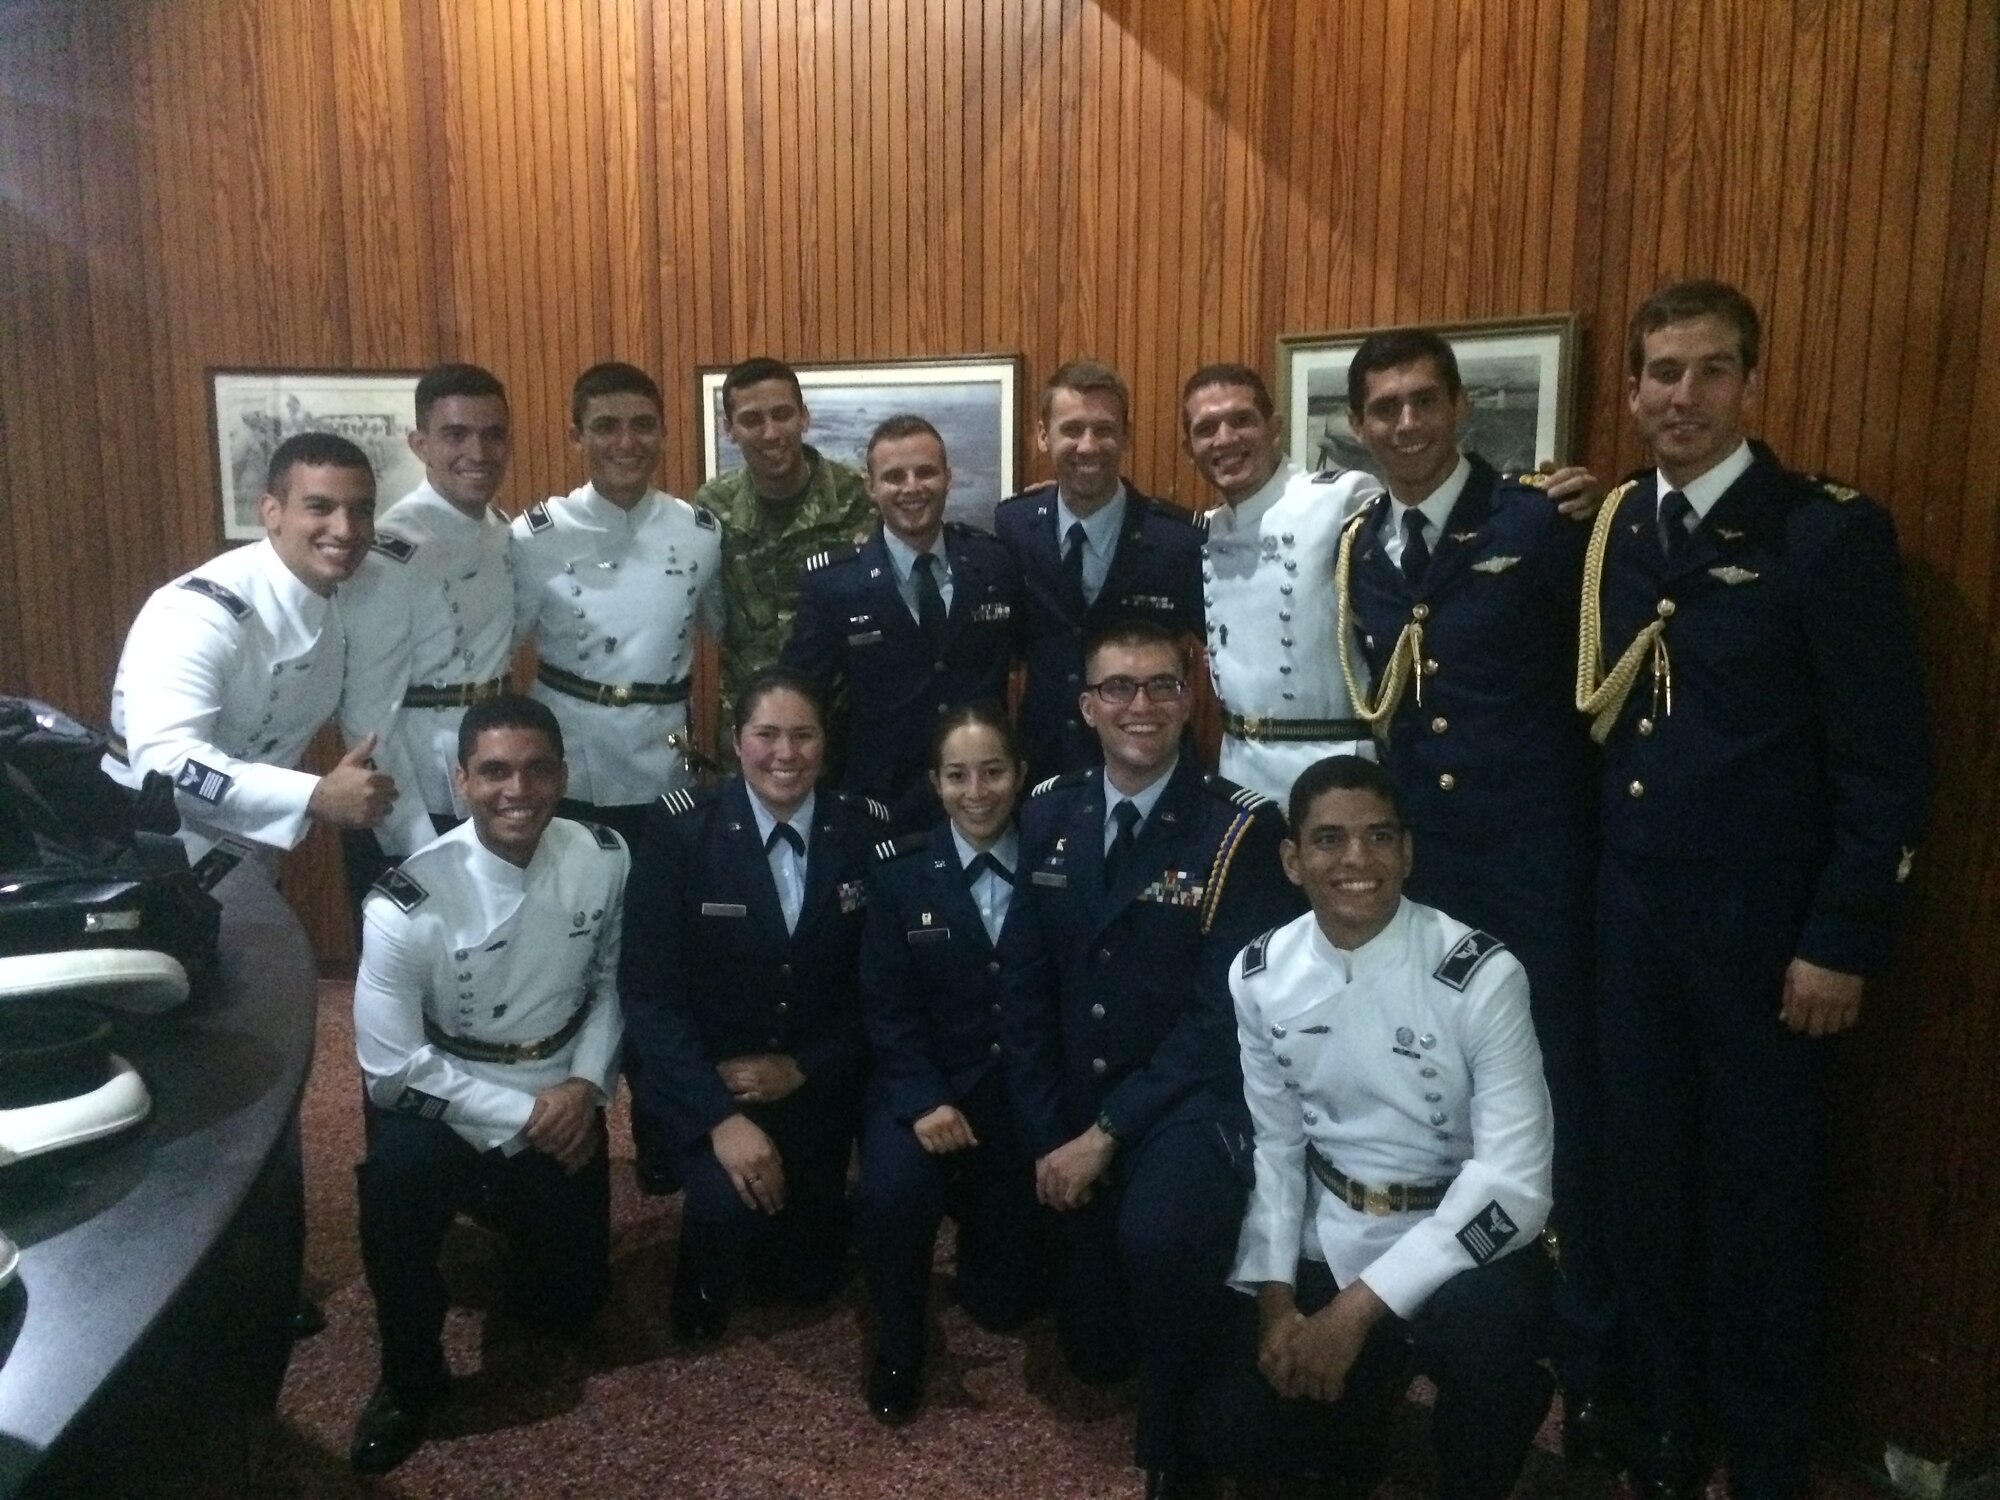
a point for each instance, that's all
(1602, 694)
(1405, 659)
(1218, 870)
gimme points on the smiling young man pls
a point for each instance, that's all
(788, 502)
(905, 626)
(487, 1024)
(1091, 550)
(1762, 790)
(613, 582)
(1143, 879)
(228, 673)
(1266, 570)
(1403, 1148)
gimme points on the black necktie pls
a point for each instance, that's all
(1073, 562)
(930, 600)
(984, 863)
(1416, 551)
(1674, 512)
(785, 833)
(1126, 816)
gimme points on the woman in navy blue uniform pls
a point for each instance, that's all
(938, 1133)
(738, 978)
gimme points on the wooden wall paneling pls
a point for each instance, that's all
(1852, 214)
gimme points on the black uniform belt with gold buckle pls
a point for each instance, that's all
(1294, 731)
(454, 694)
(1396, 1198)
(474, 1050)
(616, 694)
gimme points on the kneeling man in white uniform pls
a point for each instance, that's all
(1403, 1140)
(487, 1022)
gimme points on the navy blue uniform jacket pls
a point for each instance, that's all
(707, 970)
(930, 977)
(1118, 1001)
(1155, 575)
(1796, 740)
(853, 628)
(1496, 748)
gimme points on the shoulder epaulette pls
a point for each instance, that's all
(680, 800)
(705, 518)
(1256, 957)
(402, 889)
(496, 513)
(1331, 474)
(402, 549)
(1840, 492)
(1202, 519)
(1238, 796)
(1458, 966)
(966, 528)
(537, 516)
(1527, 478)
(606, 838)
(879, 811)
(831, 555)
(897, 848)
(1067, 778)
(208, 588)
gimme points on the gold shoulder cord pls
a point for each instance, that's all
(1218, 870)
(1404, 660)
(1600, 694)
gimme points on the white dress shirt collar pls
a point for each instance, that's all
(1705, 489)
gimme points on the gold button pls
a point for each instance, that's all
(1645, 726)
(1637, 789)
(1439, 725)
(1420, 612)
(1447, 781)
(1666, 609)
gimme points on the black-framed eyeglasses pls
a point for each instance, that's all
(1119, 691)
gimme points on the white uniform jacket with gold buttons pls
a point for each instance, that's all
(485, 950)
(616, 597)
(440, 585)
(1267, 584)
(227, 674)
(1410, 1060)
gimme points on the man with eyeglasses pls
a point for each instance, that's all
(1142, 881)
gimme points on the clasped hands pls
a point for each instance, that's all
(1312, 1356)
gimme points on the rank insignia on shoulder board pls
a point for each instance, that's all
(705, 518)
(1459, 965)
(1488, 1233)
(203, 783)
(400, 549)
(403, 890)
(1530, 478)
(539, 518)
(208, 588)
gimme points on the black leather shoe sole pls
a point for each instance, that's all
(387, 1432)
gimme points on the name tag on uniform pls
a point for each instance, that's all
(724, 909)
(866, 638)
(928, 935)
(1049, 877)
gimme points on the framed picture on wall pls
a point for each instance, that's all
(252, 411)
(1519, 375)
(971, 400)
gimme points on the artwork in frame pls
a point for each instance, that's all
(971, 400)
(1519, 376)
(252, 411)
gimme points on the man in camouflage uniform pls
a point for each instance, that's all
(786, 503)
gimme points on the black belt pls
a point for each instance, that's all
(615, 694)
(1294, 731)
(474, 1050)
(1396, 1198)
(454, 694)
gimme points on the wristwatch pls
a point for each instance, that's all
(1104, 1124)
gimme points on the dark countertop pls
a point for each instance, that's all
(110, 1233)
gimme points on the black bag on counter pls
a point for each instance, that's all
(87, 863)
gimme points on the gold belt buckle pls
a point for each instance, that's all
(1376, 1201)
(621, 694)
(1253, 726)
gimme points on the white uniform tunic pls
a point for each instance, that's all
(227, 674)
(487, 950)
(444, 582)
(616, 597)
(1410, 1060)
(1267, 583)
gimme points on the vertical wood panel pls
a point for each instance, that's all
(537, 184)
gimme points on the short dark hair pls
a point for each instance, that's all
(981, 713)
(612, 378)
(1686, 300)
(1227, 373)
(1393, 350)
(755, 372)
(1339, 773)
(313, 450)
(903, 424)
(1088, 377)
(1134, 633)
(508, 711)
(778, 680)
(440, 381)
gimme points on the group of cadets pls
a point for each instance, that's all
(1348, 1038)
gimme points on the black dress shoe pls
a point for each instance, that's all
(307, 1318)
(388, 1431)
(1181, 1482)
(698, 1317)
(1667, 1467)
(894, 1391)
(1587, 1436)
